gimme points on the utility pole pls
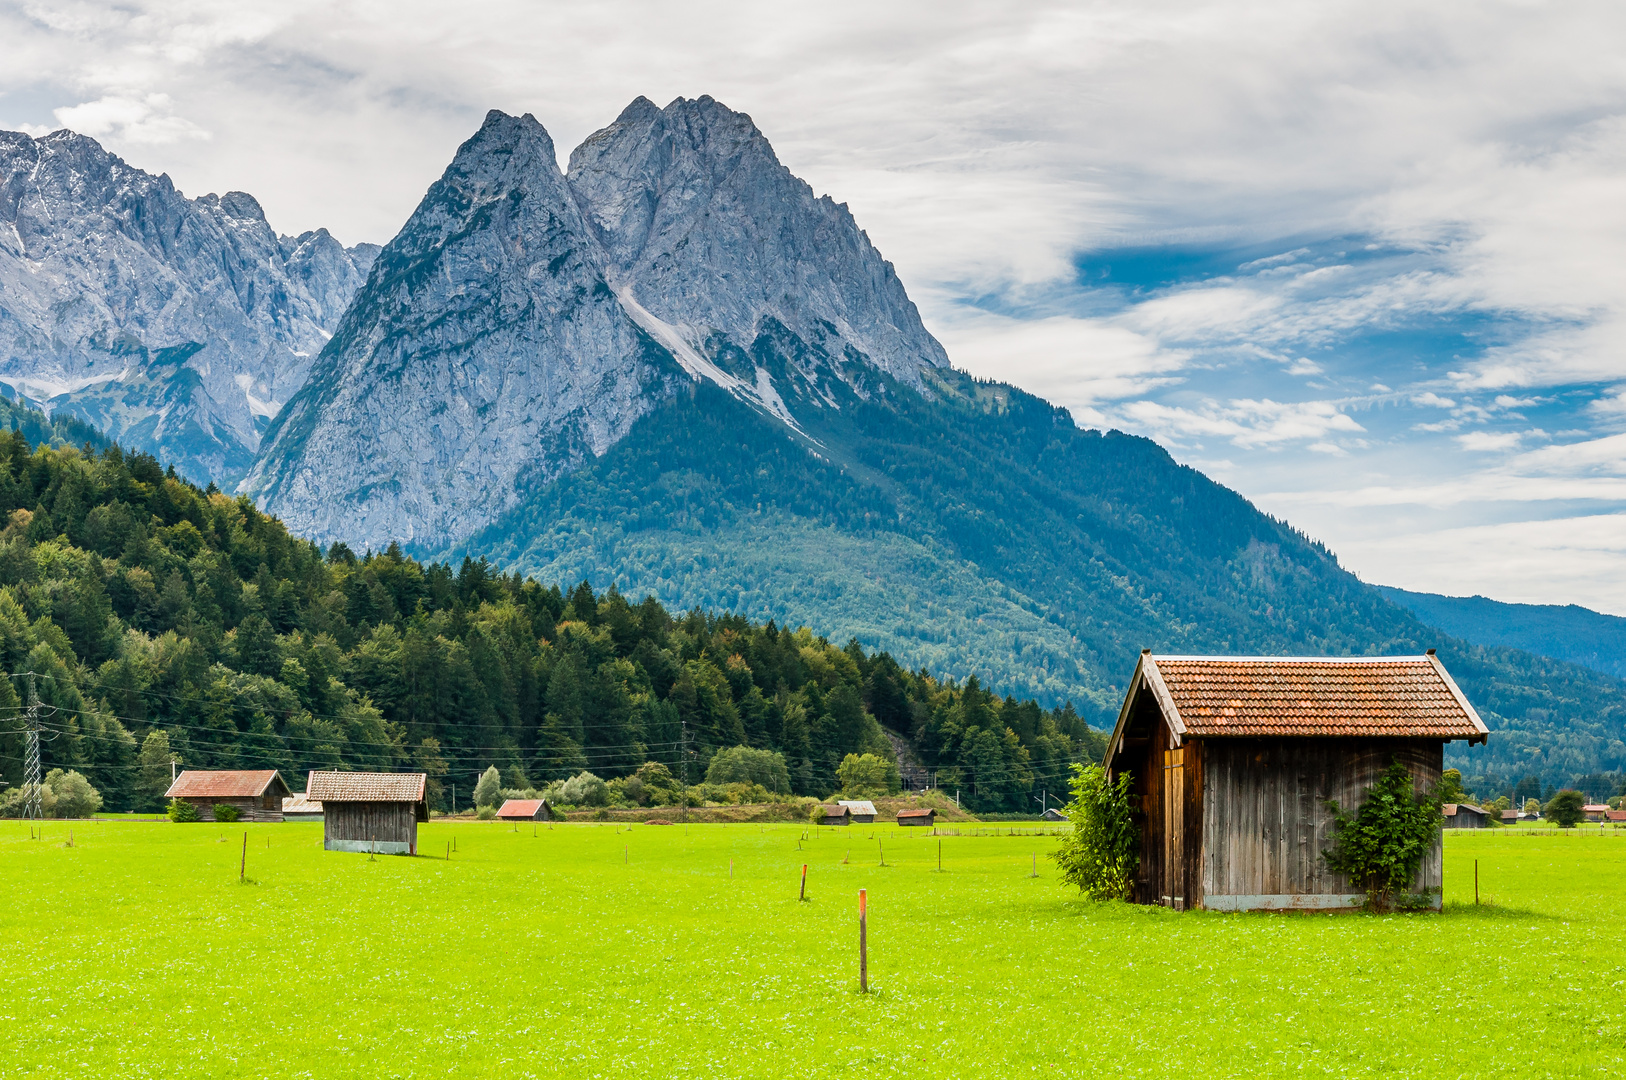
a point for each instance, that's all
(683, 749)
(33, 798)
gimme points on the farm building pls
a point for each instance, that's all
(836, 815)
(1053, 814)
(370, 811)
(524, 810)
(862, 811)
(301, 808)
(1510, 817)
(1595, 811)
(1615, 817)
(927, 816)
(1464, 816)
(1233, 760)
(257, 794)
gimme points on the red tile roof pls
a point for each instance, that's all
(239, 784)
(519, 808)
(1615, 815)
(365, 787)
(1397, 696)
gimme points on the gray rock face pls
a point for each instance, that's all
(522, 321)
(711, 234)
(178, 326)
(485, 355)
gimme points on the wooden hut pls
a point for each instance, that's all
(837, 815)
(1463, 816)
(1053, 814)
(301, 808)
(1510, 817)
(370, 811)
(862, 811)
(1233, 760)
(924, 816)
(255, 793)
(524, 810)
(1595, 811)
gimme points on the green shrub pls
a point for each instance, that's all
(182, 811)
(225, 813)
(488, 791)
(486, 813)
(745, 765)
(1382, 844)
(1565, 808)
(1101, 853)
(585, 789)
(816, 815)
(70, 795)
(866, 776)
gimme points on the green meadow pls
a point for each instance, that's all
(592, 950)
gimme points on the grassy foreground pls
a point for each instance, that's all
(599, 950)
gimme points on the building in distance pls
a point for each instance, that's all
(525, 810)
(925, 816)
(862, 811)
(1464, 816)
(370, 812)
(256, 794)
(301, 807)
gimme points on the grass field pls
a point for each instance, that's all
(599, 951)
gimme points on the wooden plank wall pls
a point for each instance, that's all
(1264, 818)
(367, 821)
(248, 809)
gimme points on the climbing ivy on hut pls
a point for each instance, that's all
(1102, 851)
(1381, 845)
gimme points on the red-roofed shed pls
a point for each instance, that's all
(524, 810)
(1235, 758)
(256, 793)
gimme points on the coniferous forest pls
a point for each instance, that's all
(163, 622)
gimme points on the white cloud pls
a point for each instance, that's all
(1489, 440)
(1078, 363)
(1244, 423)
(145, 121)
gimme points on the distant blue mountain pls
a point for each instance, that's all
(1573, 633)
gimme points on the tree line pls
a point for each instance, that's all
(166, 623)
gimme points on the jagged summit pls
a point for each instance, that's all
(175, 325)
(712, 234)
(485, 355)
(523, 320)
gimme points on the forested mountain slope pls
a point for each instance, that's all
(164, 620)
(978, 530)
(1569, 632)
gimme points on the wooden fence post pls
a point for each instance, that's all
(242, 866)
(863, 941)
(803, 896)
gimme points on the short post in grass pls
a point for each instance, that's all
(863, 941)
(940, 856)
(882, 848)
(448, 851)
(1476, 882)
(242, 865)
(803, 895)
(1035, 865)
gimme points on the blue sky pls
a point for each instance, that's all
(1360, 261)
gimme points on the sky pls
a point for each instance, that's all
(1364, 263)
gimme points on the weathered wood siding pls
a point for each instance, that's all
(354, 825)
(1265, 820)
(261, 808)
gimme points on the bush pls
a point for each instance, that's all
(182, 811)
(816, 815)
(486, 813)
(865, 776)
(74, 797)
(224, 813)
(1565, 808)
(1101, 853)
(1382, 844)
(584, 789)
(744, 765)
(488, 790)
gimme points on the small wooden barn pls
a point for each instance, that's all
(1053, 814)
(370, 811)
(1233, 760)
(836, 815)
(1595, 811)
(1464, 816)
(257, 794)
(301, 808)
(1510, 817)
(925, 816)
(861, 811)
(524, 810)
(1615, 817)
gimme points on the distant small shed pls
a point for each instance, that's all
(1615, 817)
(1595, 811)
(1053, 814)
(862, 810)
(301, 808)
(836, 815)
(525, 810)
(1510, 817)
(1463, 816)
(257, 794)
(924, 816)
(370, 811)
